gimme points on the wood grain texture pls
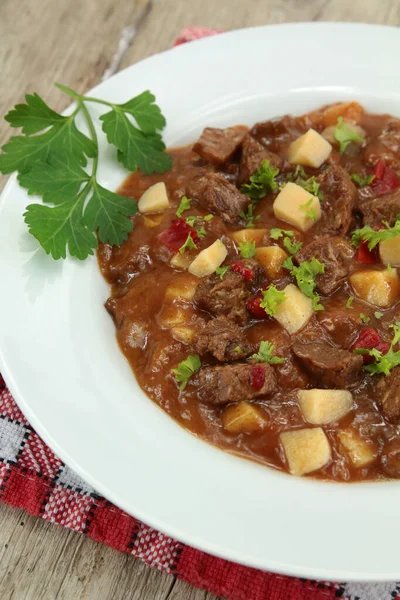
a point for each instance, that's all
(77, 42)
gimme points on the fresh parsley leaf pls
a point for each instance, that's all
(349, 302)
(291, 246)
(310, 184)
(247, 249)
(186, 370)
(249, 216)
(367, 234)
(238, 349)
(378, 314)
(222, 271)
(201, 232)
(183, 205)
(188, 245)
(196, 222)
(305, 275)
(51, 163)
(344, 134)
(266, 354)
(362, 181)
(272, 297)
(364, 318)
(310, 212)
(208, 218)
(389, 267)
(262, 182)
(383, 363)
(276, 233)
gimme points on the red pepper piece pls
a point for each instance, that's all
(257, 377)
(239, 267)
(386, 179)
(370, 339)
(366, 256)
(254, 308)
(176, 235)
(2, 383)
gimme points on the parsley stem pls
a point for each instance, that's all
(98, 101)
(93, 135)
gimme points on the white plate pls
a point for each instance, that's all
(61, 361)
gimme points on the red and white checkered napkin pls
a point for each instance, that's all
(34, 478)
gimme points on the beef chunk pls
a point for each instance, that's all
(224, 297)
(253, 153)
(219, 196)
(277, 133)
(391, 458)
(388, 395)
(234, 383)
(340, 322)
(219, 145)
(252, 272)
(334, 252)
(386, 147)
(126, 261)
(340, 197)
(329, 366)
(223, 339)
(384, 208)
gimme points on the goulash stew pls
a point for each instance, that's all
(257, 298)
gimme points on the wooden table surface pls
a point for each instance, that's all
(80, 42)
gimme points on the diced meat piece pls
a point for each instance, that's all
(275, 134)
(390, 458)
(390, 135)
(341, 323)
(331, 367)
(388, 395)
(376, 150)
(385, 208)
(126, 261)
(224, 297)
(340, 195)
(251, 271)
(234, 383)
(218, 196)
(223, 339)
(219, 145)
(253, 153)
(334, 253)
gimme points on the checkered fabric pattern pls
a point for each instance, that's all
(32, 477)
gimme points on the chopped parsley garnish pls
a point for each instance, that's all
(247, 249)
(249, 216)
(364, 318)
(183, 205)
(188, 245)
(305, 275)
(310, 184)
(261, 182)
(276, 233)
(266, 354)
(367, 234)
(288, 263)
(310, 212)
(186, 369)
(362, 181)
(383, 363)
(238, 349)
(208, 217)
(349, 302)
(222, 271)
(345, 135)
(272, 297)
(378, 314)
(291, 246)
(51, 158)
(197, 223)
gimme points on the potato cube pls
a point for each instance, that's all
(310, 150)
(183, 287)
(271, 258)
(153, 220)
(154, 199)
(183, 334)
(359, 451)
(294, 312)
(243, 417)
(173, 316)
(209, 259)
(249, 235)
(306, 450)
(389, 251)
(296, 206)
(181, 261)
(380, 288)
(321, 407)
(351, 111)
